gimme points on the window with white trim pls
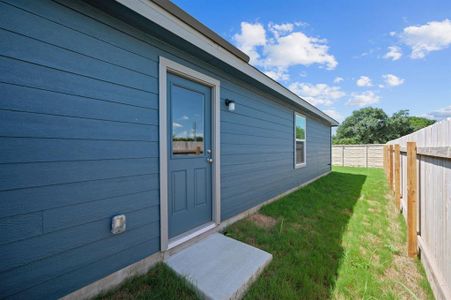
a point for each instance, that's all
(299, 140)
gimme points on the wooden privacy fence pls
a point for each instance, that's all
(364, 155)
(418, 169)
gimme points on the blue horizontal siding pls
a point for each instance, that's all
(22, 252)
(23, 201)
(79, 144)
(26, 150)
(20, 227)
(28, 74)
(26, 124)
(46, 269)
(19, 176)
(26, 99)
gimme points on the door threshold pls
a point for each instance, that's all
(184, 237)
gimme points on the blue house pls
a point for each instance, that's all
(127, 129)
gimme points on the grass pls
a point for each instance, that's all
(337, 238)
(159, 283)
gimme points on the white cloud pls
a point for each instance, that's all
(316, 94)
(442, 113)
(282, 47)
(278, 74)
(338, 79)
(280, 29)
(184, 117)
(334, 114)
(364, 81)
(176, 125)
(392, 33)
(394, 53)
(363, 99)
(392, 80)
(422, 39)
(250, 37)
(297, 48)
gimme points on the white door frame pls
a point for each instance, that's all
(166, 66)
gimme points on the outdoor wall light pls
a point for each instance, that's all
(230, 104)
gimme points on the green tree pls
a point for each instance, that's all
(372, 126)
(398, 125)
(419, 122)
(365, 126)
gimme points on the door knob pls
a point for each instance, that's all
(210, 160)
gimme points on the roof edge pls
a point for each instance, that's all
(158, 14)
(179, 13)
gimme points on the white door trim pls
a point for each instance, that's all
(166, 66)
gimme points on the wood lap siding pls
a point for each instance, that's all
(79, 144)
(256, 175)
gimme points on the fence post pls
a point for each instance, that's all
(385, 160)
(343, 156)
(366, 156)
(397, 175)
(390, 166)
(412, 198)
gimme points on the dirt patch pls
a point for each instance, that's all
(405, 277)
(402, 272)
(263, 221)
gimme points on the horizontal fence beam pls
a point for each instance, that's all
(441, 152)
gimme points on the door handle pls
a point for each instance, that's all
(209, 159)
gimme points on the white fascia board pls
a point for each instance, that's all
(158, 15)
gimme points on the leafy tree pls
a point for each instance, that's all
(398, 125)
(365, 126)
(372, 126)
(419, 122)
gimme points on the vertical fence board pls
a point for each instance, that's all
(390, 166)
(433, 210)
(411, 198)
(397, 176)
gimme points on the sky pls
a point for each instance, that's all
(344, 55)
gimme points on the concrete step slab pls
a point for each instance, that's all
(219, 267)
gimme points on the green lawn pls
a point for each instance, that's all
(337, 238)
(159, 283)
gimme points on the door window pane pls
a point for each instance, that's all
(187, 113)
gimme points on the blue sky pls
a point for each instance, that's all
(344, 55)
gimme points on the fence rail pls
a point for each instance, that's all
(418, 169)
(364, 155)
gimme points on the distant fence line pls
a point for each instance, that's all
(364, 155)
(418, 169)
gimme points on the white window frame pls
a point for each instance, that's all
(301, 165)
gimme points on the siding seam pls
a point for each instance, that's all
(75, 269)
(76, 52)
(77, 247)
(78, 96)
(73, 182)
(74, 73)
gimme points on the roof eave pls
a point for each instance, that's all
(165, 15)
